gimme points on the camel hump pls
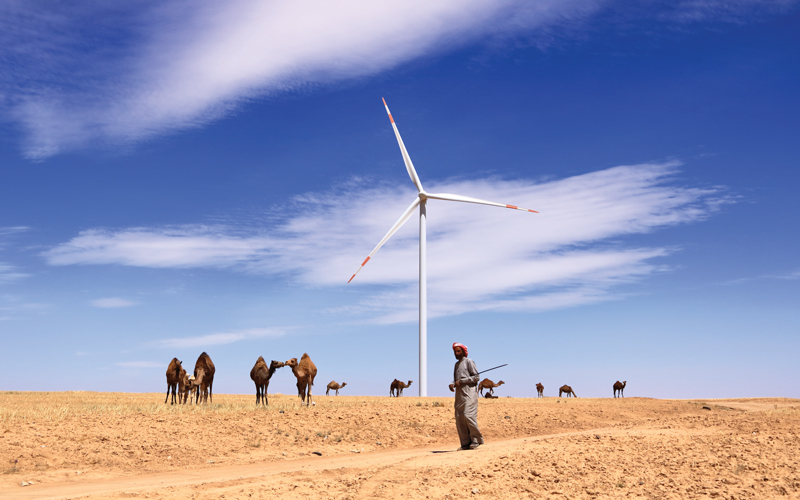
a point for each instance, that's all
(305, 356)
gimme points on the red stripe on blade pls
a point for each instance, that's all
(365, 261)
(390, 118)
(384, 101)
(351, 278)
(534, 211)
(512, 206)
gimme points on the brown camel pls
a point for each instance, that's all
(173, 378)
(396, 389)
(204, 378)
(619, 387)
(539, 390)
(488, 385)
(260, 374)
(333, 385)
(566, 390)
(304, 371)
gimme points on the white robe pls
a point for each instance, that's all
(466, 405)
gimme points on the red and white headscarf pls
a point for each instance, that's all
(462, 346)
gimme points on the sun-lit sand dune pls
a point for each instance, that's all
(112, 445)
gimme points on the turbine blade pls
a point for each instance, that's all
(467, 199)
(397, 225)
(407, 159)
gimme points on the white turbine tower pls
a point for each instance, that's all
(421, 201)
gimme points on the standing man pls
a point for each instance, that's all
(465, 376)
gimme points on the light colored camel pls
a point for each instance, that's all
(396, 389)
(260, 374)
(187, 390)
(567, 390)
(304, 371)
(173, 378)
(204, 378)
(333, 385)
(619, 387)
(539, 390)
(181, 385)
(488, 385)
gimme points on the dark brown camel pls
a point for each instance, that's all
(260, 374)
(396, 389)
(304, 371)
(489, 386)
(539, 390)
(173, 378)
(619, 387)
(204, 378)
(333, 385)
(566, 390)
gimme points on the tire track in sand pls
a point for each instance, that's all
(377, 467)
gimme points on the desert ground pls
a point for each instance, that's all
(119, 445)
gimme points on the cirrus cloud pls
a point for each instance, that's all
(78, 74)
(479, 258)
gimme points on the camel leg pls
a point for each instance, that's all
(167, 398)
(211, 392)
(309, 394)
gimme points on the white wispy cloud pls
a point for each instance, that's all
(142, 364)
(9, 273)
(112, 303)
(180, 63)
(119, 72)
(220, 338)
(791, 275)
(479, 258)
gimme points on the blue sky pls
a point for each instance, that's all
(182, 176)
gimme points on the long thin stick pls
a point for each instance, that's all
(484, 371)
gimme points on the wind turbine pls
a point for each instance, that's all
(421, 201)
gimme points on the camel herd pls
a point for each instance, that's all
(564, 390)
(199, 385)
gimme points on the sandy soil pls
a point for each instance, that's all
(105, 445)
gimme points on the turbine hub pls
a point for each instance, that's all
(423, 195)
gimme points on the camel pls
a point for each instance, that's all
(396, 389)
(567, 390)
(173, 378)
(619, 387)
(181, 384)
(333, 385)
(539, 390)
(489, 385)
(204, 378)
(304, 371)
(187, 390)
(260, 374)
